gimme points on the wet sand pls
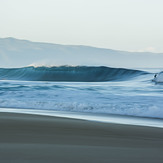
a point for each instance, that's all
(26, 138)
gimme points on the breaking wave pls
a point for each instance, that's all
(69, 74)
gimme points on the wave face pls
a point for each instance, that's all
(69, 74)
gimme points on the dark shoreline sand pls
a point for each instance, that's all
(26, 138)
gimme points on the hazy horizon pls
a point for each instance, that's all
(128, 25)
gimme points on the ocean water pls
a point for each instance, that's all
(83, 89)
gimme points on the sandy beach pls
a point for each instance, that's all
(28, 138)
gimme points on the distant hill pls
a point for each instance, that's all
(20, 53)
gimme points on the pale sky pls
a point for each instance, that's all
(130, 25)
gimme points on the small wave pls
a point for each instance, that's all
(138, 110)
(158, 78)
(69, 74)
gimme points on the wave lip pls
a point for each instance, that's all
(69, 74)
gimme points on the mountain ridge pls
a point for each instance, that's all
(88, 46)
(19, 53)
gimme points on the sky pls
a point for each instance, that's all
(129, 25)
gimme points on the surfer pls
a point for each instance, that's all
(155, 78)
(155, 75)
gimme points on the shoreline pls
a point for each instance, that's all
(40, 138)
(97, 117)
